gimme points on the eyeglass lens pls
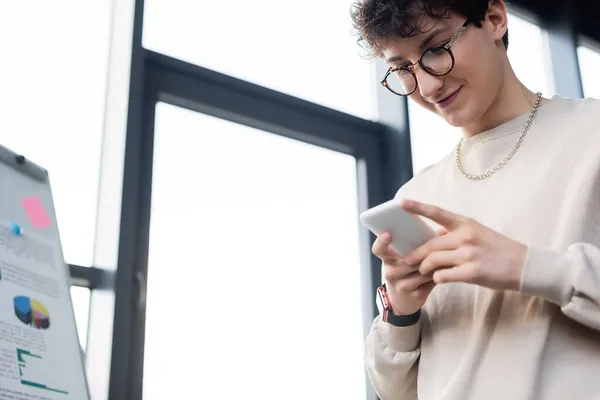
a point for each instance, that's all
(437, 61)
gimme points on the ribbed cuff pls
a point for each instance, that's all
(547, 274)
(400, 338)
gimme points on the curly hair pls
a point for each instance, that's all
(376, 20)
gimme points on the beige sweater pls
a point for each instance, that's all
(542, 342)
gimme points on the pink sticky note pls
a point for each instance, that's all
(36, 212)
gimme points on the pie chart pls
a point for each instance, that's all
(31, 312)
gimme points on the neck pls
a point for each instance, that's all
(512, 100)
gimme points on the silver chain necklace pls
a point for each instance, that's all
(510, 155)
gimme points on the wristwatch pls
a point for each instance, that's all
(387, 314)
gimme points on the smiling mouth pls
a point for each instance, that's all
(446, 98)
(445, 102)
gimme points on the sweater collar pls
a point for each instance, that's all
(507, 128)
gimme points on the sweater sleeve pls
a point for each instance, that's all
(392, 359)
(571, 280)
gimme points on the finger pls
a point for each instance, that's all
(397, 271)
(414, 281)
(381, 248)
(381, 243)
(462, 273)
(441, 231)
(443, 217)
(441, 259)
(449, 241)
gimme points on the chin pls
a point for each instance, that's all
(457, 118)
(461, 114)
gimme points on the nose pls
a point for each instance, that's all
(428, 84)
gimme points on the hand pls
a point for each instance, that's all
(407, 288)
(470, 252)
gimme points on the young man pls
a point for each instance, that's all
(505, 302)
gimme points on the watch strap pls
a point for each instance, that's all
(403, 320)
(386, 311)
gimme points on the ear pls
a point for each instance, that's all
(497, 18)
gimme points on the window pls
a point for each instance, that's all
(253, 250)
(81, 305)
(306, 50)
(589, 65)
(53, 82)
(527, 52)
(432, 138)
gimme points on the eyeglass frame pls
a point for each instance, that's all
(411, 68)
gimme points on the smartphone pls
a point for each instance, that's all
(409, 231)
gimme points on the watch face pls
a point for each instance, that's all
(383, 304)
(379, 302)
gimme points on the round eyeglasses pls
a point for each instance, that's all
(437, 61)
